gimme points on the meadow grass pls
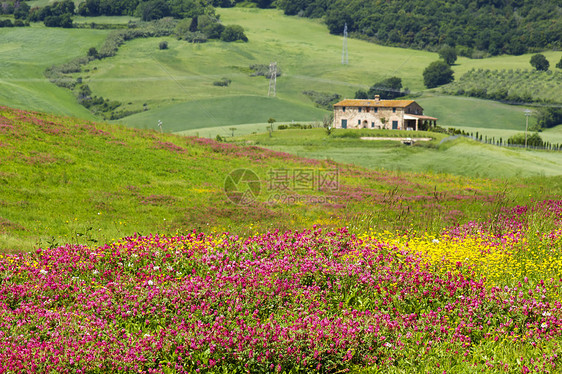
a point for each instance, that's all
(460, 111)
(459, 157)
(175, 83)
(223, 113)
(140, 73)
(26, 53)
(71, 181)
(506, 62)
(479, 297)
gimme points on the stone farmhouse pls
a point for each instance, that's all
(381, 114)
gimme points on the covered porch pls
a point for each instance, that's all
(419, 122)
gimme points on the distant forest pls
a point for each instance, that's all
(474, 27)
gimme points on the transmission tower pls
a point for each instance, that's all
(272, 79)
(344, 56)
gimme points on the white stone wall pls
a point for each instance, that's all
(356, 119)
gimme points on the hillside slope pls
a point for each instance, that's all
(68, 180)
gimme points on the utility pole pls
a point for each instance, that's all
(527, 114)
(272, 79)
(344, 56)
(160, 125)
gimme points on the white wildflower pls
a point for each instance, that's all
(157, 268)
(544, 325)
(43, 271)
(150, 283)
(546, 314)
(388, 345)
(95, 272)
(435, 241)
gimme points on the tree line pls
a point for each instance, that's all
(59, 14)
(474, 27)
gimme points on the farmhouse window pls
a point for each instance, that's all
(358, 121)
(360, 109)
(393, 110)
(376, 110)
(343, 108)
(367, 109)
(372, 125)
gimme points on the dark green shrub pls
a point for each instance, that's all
(539, 62)
(232, 33)
(437, 73)
(222, 83)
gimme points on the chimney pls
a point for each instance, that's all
(377, 98)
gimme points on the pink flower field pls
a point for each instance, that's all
(315, 300)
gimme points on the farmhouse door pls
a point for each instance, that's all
(344, 124)
(395, 125)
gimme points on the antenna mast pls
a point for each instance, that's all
(344, 56)
(272, 79)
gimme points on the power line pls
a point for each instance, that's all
(344, 55)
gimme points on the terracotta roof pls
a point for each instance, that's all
(373, 103)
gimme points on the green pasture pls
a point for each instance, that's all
(456, 156)
(176, 85)
(26, 52)
(464, 64)
(223, 112)
(308, 56)
(460, 111)
(65, 180)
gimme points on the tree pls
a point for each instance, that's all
(540, 62)
(548, 117)
(153, 9)
(64, 21)
(232, 33)
(361, 94)
(271, 121)
(437, 73)
(93, 52)
(448, 54)
(387, 89)
(559, 64)
(163, 45)
(22, 11)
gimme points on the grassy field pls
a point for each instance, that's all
(458, 273)
(459, 111)
(72, 181)
(186, 72)
(25, 53)
(223, 112)
(464, 64)
(141, 73)
(459, 157)
(177, 83)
